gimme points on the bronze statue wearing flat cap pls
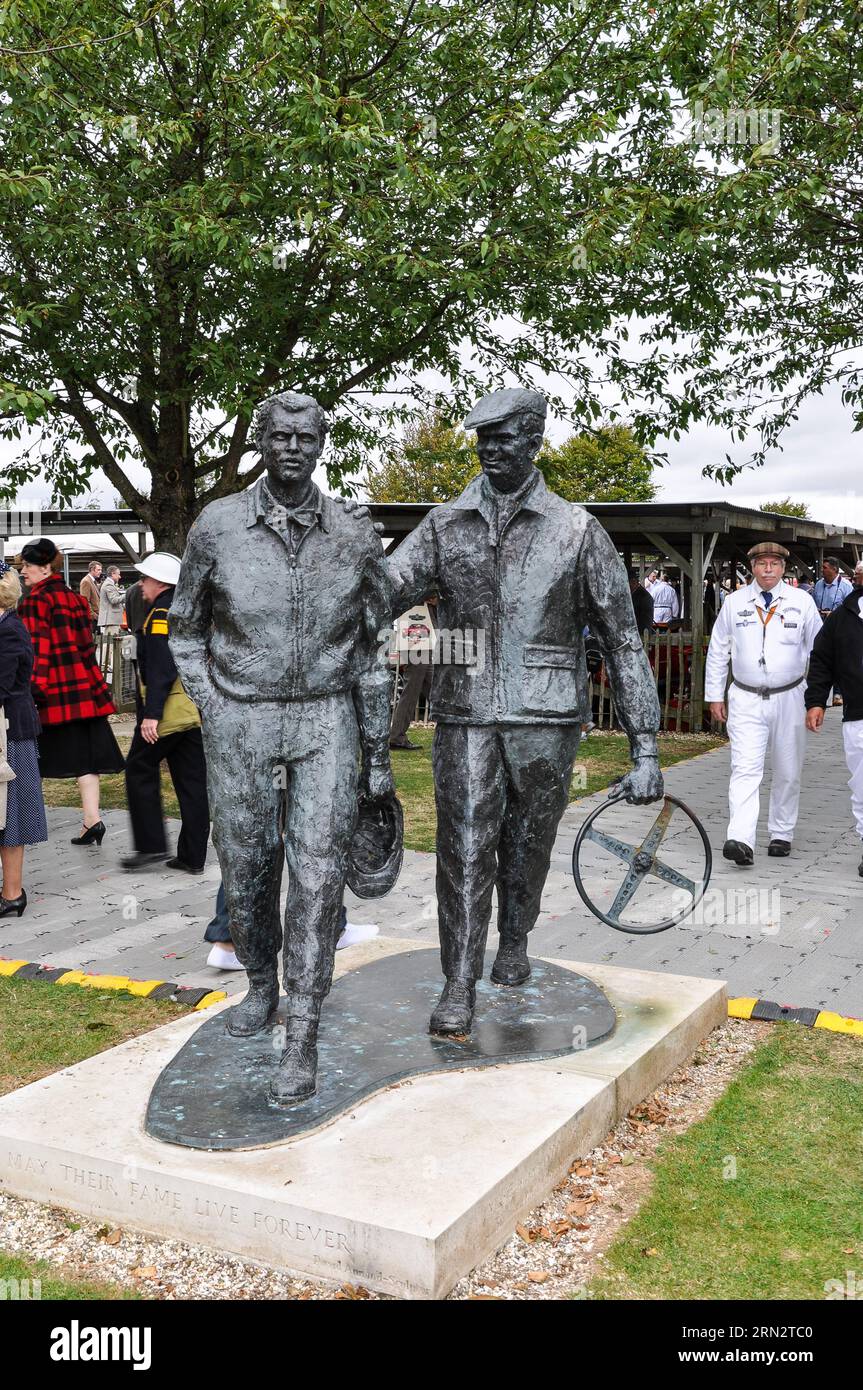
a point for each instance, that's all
(511, 560)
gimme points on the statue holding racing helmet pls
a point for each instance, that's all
(275, 629)
(514, 561)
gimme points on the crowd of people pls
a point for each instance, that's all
(657, 597)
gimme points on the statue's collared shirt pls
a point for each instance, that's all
(499, 508)
(259, 619)
(292, 523)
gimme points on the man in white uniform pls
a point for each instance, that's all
(765, 631)
(666, 604)
(837, 659)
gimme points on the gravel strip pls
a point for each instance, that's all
(551, 1255)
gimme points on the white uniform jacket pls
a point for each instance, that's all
(666, 605)
(742, 637)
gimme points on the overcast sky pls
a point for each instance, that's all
(822, 464)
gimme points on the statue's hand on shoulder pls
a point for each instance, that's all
(641, 784)
(359, 510)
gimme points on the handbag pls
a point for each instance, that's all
(180, 711)
(6, 773)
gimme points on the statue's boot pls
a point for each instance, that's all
(453, 1012)
(511, 965)
(253, 1013)
(295, 1078)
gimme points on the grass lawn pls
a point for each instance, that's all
(44, 1027)
(761, 1198)
(53, 1284)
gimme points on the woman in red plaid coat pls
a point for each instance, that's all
(69, 689)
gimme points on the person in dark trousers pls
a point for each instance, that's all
(642, 602)
(224, 957)
(837, 660)
(182, 748)
(417, 682)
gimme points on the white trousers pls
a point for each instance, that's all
(852, 734)
(757, 729)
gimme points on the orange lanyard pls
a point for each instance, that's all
(761, 618)
(765, 623)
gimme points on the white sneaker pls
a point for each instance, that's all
(224, 957)
(354, 933)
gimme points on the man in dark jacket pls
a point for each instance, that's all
(183, 750)
(837, 661)
(136, 606)
(642, 602)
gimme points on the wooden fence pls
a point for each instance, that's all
(679, 681)
(118, 671)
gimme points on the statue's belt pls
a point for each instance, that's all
(765, 691)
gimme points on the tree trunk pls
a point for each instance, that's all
(173, 505)
(170, 527)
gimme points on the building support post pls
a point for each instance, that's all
(696, 675)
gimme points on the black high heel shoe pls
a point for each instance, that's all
(10, 905)
(93, 834)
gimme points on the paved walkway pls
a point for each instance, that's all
(794, 936)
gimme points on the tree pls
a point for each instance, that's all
(220, 199)
(435, 462)
(432, 463)
(607, 465)
(761, 211)
(785, 507)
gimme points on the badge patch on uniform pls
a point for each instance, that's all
(786, 624)
(746, 613)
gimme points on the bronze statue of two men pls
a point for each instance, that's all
(279, 626)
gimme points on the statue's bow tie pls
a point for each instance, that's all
(303, 517)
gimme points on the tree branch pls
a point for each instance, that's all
(76, 407)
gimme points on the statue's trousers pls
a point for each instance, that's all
(500, 792)
(283, 786)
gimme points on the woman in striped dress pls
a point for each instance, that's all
(25, 808)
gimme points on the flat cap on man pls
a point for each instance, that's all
(768, 548)
(500, 405)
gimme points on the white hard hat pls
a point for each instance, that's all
(161, 565)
